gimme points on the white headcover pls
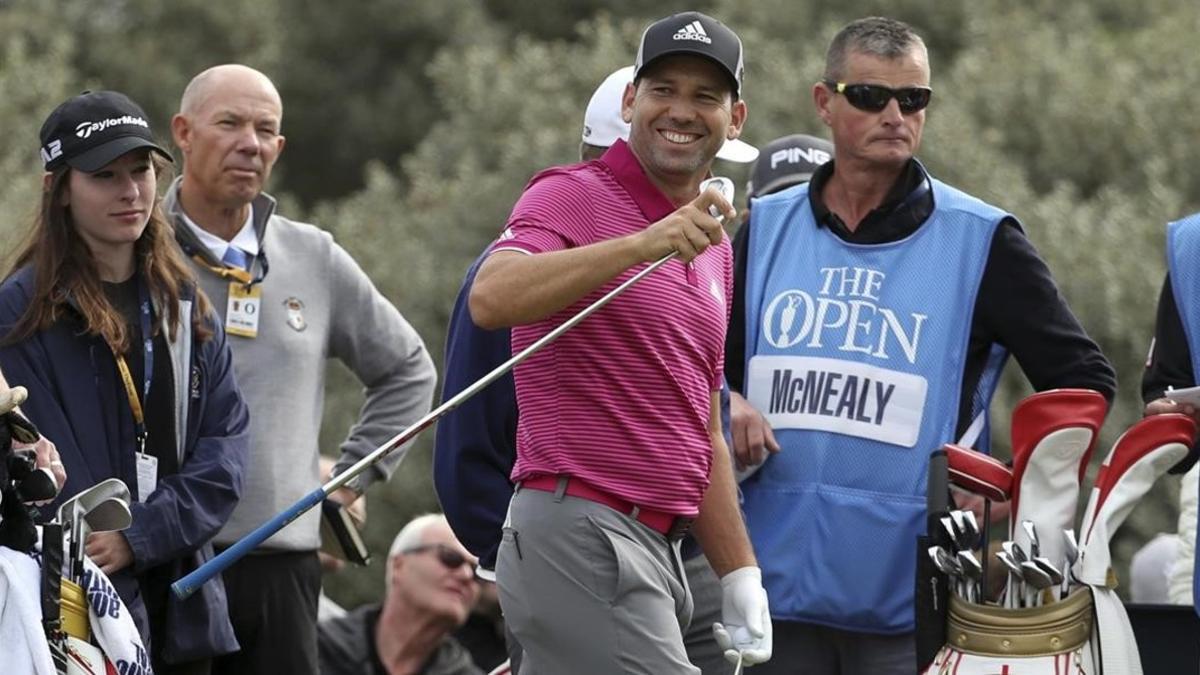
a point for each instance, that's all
(1053, 433)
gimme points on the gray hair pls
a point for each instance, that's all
(875, 36)
(411, 536)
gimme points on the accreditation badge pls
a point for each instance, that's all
(241, 314)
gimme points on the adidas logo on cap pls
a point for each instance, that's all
(693, 31)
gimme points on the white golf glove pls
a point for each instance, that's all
(745, 634)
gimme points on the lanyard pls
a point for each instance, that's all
(135, 405)
(236, 273)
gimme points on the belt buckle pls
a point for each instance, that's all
(679, 528)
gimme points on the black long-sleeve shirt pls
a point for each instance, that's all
(1018, 305)
(1170, 360)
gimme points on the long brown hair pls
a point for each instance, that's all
(65, 271)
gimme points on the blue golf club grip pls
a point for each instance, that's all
(189, 584)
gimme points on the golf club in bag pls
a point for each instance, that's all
(188, 584)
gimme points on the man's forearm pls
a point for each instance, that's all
(514, 288)
(719, 528)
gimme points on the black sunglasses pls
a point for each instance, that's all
(875, 97)
(447, 556)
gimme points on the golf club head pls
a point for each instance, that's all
(87, 500)
(1035, 576)
(1014, 551)
(110, 515)
(1044, 564)
(1013, 567)
(971, 528)
(1031, 534)
(969, 564)
(1070, 547)
(725, 187)
(978, 474)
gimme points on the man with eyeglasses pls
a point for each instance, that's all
(879, 305)
(430, 590)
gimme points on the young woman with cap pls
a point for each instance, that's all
(127, 371)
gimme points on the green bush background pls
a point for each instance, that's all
(412, 126)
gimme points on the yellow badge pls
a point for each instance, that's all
(241, 315)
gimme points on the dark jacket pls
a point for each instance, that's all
(346, 646)
(76, 400)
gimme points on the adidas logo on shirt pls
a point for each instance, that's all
(693, 31)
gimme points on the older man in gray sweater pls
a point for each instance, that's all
(290, 298)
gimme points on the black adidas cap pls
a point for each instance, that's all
(787, 161)
(692, 33)
(94, 128)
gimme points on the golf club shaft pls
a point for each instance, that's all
(187, 585)
(984, 589)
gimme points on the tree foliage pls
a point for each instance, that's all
(413, 126)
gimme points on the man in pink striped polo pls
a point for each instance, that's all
(619, 443)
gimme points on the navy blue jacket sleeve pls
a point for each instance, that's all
(187, 509)
(475, 446)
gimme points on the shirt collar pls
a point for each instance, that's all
(627, 170)
(246, 238)
(907, 205)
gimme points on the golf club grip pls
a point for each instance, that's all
(187, 585)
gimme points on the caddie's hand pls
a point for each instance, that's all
(1163, 406)
(109, 550)
(688, 230)
(752, 435)
(745, 627)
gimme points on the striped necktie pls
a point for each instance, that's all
(236, 257)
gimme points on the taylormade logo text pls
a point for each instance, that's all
(693, 31)
(86, 129)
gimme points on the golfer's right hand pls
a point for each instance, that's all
(688, 230)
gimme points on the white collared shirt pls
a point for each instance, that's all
(246, 238)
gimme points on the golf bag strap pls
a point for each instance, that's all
(1118, 645)
(51, 595)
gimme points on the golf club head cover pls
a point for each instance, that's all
(1142, 454)
(1053, 433)
(745, 624)
(979, 474)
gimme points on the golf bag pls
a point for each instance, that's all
(1086, 630)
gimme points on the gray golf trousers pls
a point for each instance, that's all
(589, 591)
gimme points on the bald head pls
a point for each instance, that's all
(231, 75)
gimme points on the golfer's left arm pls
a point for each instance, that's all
(744, 632)
(719, 528)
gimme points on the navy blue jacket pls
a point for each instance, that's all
(76, 400)
(475, 446)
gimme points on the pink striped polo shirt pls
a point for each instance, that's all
(620, 401)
